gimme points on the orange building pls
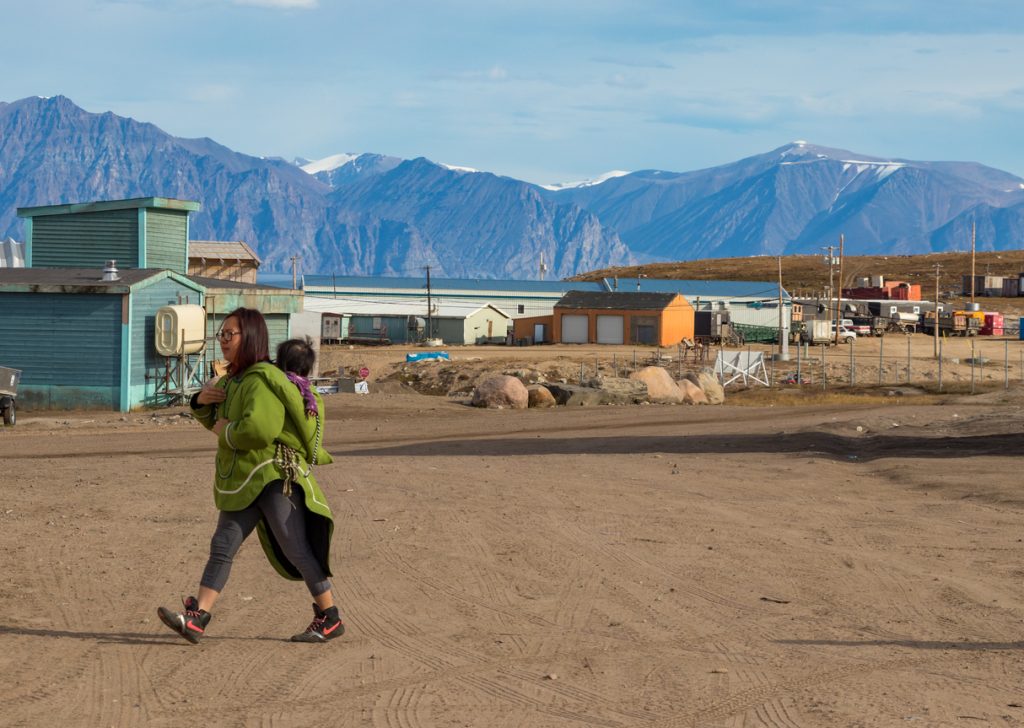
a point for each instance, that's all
(885, 291)
(589, 317)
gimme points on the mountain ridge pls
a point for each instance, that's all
(383, 215)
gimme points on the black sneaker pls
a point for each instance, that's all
(326, 625)
(191, 623)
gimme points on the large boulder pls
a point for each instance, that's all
(692, 394)
(573, 395)
(501, 391)
(707, 380)
(540, 396)
(660, 385)
(620, 390)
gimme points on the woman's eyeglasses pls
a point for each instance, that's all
(226, 335)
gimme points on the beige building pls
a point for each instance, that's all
(227, 261)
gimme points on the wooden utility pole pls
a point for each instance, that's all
(839, 288)
(936, 342)
(295, 276)
(973, 236)
(783, 339)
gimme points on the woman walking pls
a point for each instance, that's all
(269, 435)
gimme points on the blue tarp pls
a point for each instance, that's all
(428, 356)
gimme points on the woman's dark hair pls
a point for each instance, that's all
(296, 356)
(255, 340)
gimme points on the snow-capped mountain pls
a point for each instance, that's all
(800, 196)
(377, 214)
(357, 214)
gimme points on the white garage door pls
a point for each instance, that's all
(574, 329)
(609, 330)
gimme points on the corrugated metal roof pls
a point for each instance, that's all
(617, 300)
(411, 307)
(72, 279)
(223, 284)
(711, 289)
(221, 250)
(166, 203)
(690, 289)
(419, 283)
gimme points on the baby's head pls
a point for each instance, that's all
(296, 356)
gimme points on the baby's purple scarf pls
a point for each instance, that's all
(307, 394)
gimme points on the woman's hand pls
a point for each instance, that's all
(211, 393)
(219, 425)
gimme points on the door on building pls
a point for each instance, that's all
(575, 329)
(539, 333)
(610, 329)
(645, 330)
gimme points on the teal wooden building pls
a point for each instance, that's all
(83, 342)
(83, 339)
(148, 232)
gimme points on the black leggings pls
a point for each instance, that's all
(286, 518)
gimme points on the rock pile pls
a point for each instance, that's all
(651, 384)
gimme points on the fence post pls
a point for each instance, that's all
(972, 366)
(824, 384)
(1006, 365)
(908, 358)
(940, 363)
(881, 348)
(981, 367)
(853, 373)
(799, 373)
(615, 364)
(581, 374)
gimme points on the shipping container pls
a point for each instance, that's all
(993, 325)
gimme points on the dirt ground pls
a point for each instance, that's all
(841, 564)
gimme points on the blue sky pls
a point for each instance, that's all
(553, 91)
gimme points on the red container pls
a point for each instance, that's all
(993, 324)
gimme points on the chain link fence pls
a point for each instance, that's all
(959, 364)
(935, 364)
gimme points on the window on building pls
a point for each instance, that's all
(521, 308)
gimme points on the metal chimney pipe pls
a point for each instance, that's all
(110, 271)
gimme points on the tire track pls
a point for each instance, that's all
(751, 698)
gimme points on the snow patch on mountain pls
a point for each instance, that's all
(881, 169)
(328, 164)
(587, 182)
(455, 168)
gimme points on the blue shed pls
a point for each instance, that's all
(85, 342)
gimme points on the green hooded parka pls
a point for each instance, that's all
(270, 437)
